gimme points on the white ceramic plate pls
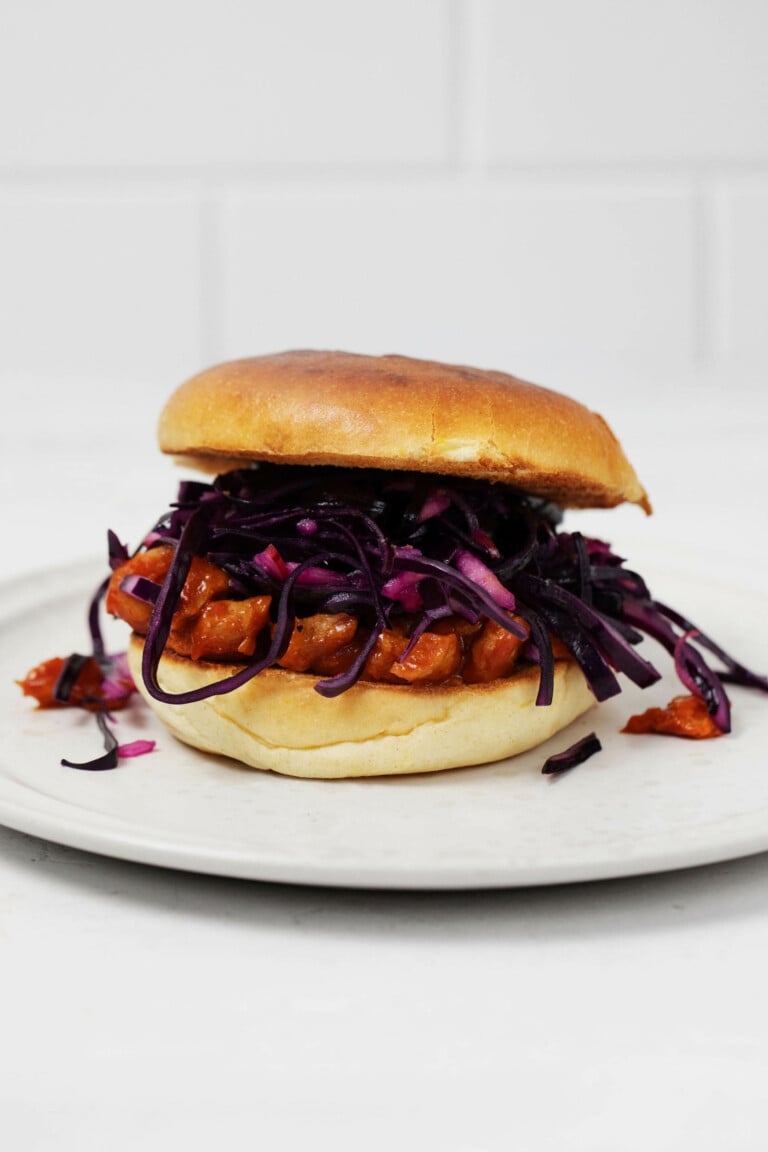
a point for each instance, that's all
(644, 804)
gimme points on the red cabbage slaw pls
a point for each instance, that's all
(385, 545)
(115, 688)
(562, 762)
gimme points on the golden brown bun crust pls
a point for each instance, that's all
(279, 723)
(395, 412)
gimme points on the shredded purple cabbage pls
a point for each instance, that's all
(387, 545)
(109, 759)
(135, 748)
(571, 757)
(116, 685)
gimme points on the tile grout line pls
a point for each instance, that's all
(210, 336)
(66, 180)
(701, 257)
(454, 79)
(718, 270)
(469, 34)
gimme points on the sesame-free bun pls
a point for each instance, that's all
(279, 723)
(394, 412)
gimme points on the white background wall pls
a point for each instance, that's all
(575, 192)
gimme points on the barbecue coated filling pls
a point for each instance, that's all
(397, 577)
(210, 624)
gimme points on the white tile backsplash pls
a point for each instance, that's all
(98, 287)
(231, 83)
(511, 276)
(669, 81)
(740, 220)
(562, 190)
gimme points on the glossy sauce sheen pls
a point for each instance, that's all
(210, 625)
(87, 691)
(685, 716)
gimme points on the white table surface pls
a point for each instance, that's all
(143, 1008)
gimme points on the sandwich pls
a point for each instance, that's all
(370, 577)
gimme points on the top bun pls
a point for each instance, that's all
(394, 412)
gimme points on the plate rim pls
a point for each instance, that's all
(102, 834)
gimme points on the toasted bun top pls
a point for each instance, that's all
(394, 412)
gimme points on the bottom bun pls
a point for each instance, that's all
(277, 721)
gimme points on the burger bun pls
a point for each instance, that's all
(278, 722)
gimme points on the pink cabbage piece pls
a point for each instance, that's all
(135, 748)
